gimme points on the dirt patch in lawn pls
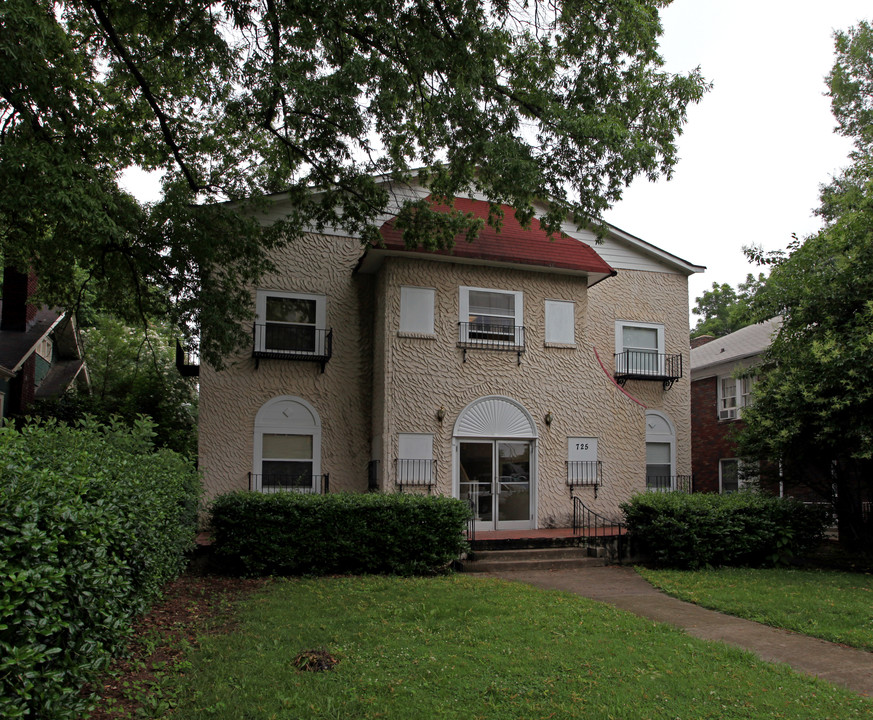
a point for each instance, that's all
(192, 606)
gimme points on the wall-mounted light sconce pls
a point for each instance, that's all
(441, 413)
(548, 418)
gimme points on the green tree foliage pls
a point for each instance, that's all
(814, 406)
(233, 101)
(724, 310)
(133, 374)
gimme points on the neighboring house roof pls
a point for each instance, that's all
(16, 347)
(60, 378)
(745, 343)
(511, 246)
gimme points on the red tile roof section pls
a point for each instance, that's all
(512, 244)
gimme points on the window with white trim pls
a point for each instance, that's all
(735, 474)
(733, 395)
(416, 309)
(293, 323)
(491, 316)
(639, 347)
(560, 322)
(287, 447)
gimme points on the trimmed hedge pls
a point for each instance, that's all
(296, 534)
(703, 529)
(93, 522)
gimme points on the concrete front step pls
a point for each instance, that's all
(533, 559)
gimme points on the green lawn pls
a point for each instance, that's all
(830, 605)
(468, 648)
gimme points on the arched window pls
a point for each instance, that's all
(287, 447)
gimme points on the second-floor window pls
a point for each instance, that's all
(733, 395)
(491, 316)
(292, 322)
(639, 347)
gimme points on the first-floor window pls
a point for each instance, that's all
(287, 447)
(659, 475)
(290, 322)
(735, 475)
(415, 459)
(286, 462)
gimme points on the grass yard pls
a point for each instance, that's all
(462, 647)
(834, 606)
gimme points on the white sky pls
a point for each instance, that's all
(754, 150)
(758, 145)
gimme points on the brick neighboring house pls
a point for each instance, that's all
(717, 401)
(505, 372)
(40, 353)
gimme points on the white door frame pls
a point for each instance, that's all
(496, 418)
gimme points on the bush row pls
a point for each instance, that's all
(93, 521)
(703, 529)
(294, 534)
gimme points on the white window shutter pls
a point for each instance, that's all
(560, 322)
(417, 310)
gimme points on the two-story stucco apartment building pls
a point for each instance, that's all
(506, 372)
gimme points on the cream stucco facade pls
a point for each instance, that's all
(383, 384)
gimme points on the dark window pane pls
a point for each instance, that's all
(292, 310)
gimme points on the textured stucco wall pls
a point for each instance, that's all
(379, 383)
(649, 297)
(424, 374)
(230, 399)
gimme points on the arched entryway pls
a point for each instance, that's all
(494, 447)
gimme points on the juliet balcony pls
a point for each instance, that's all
(491, 336)
(647, 365)
(279, 341)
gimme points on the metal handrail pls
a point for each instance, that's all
(590, 524)
(471, 521)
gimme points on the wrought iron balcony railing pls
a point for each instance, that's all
(491, 336)
(584, 473)
(186, 362)
(289, 482)
(292, 342)
(670, 483)
(645, 365)
(415, 473)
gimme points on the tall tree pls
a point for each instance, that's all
(724, 310)
(813, 407)
(234, 100)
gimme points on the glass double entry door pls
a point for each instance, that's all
(495, 478)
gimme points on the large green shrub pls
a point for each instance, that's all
(704, 529)
(294, 534)
(93, 521)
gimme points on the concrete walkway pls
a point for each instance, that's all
(623, 588)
